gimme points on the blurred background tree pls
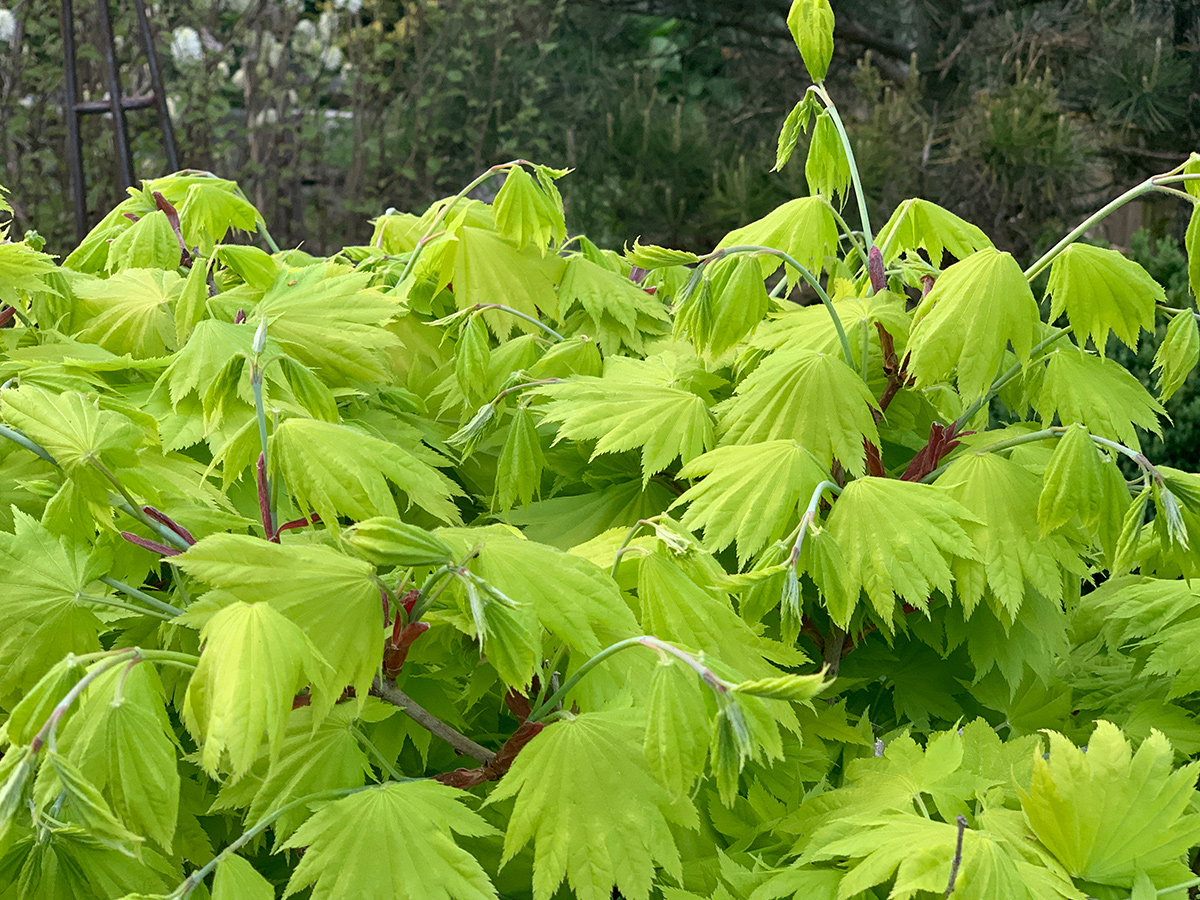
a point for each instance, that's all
(1019, 115)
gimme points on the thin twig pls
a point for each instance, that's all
(962, 828)
(435, 726)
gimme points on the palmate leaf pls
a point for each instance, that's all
(338, 470)
(920, 225)
(122, 740)
(1112, 815)
(210, 209)
(488, 269)
(149, 243)
(130, 312)
(331, 597)
(621, 411)
(727, 306)
(814, 399)
(253, 662)
(750, 493)
(899, 538)
(1001, 499)
(543, 577)
(527, 214)
(612, 309)
(21, 269)
(322, 316)
(803, 228)
(811, 326)
(236, 879)
(1153, 613)
(1100, 290)
(42, 615)
(593, 811)
(976, 308)
(1177, 355)
(677, 726)
(73, 429)
(1079, 387)
(394, 840)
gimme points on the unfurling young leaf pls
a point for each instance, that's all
(1101, 290)
(811, 25)
(732, 301)
(1073, 484)
(471, 358)
(650, 256)
(519, 469)
(795, 123)
(387, 541)
(236, 879)
(526, 213)
(827, 170)
(1177, 355)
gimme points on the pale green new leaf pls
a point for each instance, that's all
(593, 811)
(395, 841)
(525, 214)
(338, 470)
(827, 170)
(976, 308)
(331, 597)
(253, 662)
(236, 879)
(621, 413)
(811, 25)
(803, 228)
(488, 269)
(728, 305)
(1079, 387)
(42, 614)
(149, 243)
(122, 739)
(21, 269)
(570, 596)
(1109, 813)
(322, 316)
(210, 209)
(1191, 243)
(677, 726)
(750, 493)
(814, 399)
(130, 312)
(796, 122)
(899, 538)
(615, 311)
(519, 468)
(1073, 484)
(73, 429)
(1001, 499)
(1177, 355)
(651, 256)
(1100, 290)
(920, 225)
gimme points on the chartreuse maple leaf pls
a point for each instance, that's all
(811, 326)
(1113, 816)
(394, 840)
(812, 398)
(253, 662)
(976, 308)
(1100, 393)
(1011, 555)
(149, 243)
(749, 493)
(21, 269)
(1177, 355)
(236, 879)
(1153, 613)
(528, 214)
(322, 316)
(899, 538)
(920, 225)
(595, 814)
(730, 301)
(130, 311)
(488, 269)
(71, 428)
(331, 597)
(622, 410)
(804, 229)
(338, 470)
(210, 209)
(1100, 290)
(678, 726)
(43, 616)
(611, 308)
(123, 742)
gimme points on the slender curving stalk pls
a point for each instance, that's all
(832, 109)
(141, 595)
(194, 880)
(1003, 379)
(808, 276)
(17, 438)
(520, 315)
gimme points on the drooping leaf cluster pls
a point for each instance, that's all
(480, 561)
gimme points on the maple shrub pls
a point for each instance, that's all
(481, 562)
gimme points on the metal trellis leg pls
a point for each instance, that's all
(116, 104)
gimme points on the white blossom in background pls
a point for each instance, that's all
(238, 6)
(331, 58)
(185, 46)
(326, 27)
(272, 50)
(8, 26)
(351, 6)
